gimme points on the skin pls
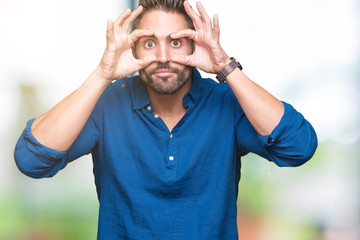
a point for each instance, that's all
(59, 127)
(163, 76)
(167, 81)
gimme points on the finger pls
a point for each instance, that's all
(147, 60)
(216, 24)
(186, 33)
(110, 31)
(120, 20)
(204, 16)
(183, 60)
(192, 14)
(132, 17)
(139, 33)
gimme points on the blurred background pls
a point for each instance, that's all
(304, 52)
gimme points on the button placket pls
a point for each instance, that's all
(153, 118)
(171, 160)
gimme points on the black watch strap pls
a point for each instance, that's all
(221, 76)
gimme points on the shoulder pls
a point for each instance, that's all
(115, 87)
(117, 94)
(120, 89)
(219, 90)
(217, 97)
(211, 88)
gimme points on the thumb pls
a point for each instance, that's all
(183, 60)
(147, 60)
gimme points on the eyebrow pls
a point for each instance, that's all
(156, 38)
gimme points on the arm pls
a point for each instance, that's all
(59, 128)
(262, 109)
(38, 161)
(292, 142)
(286, 137)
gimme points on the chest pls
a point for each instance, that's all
(139, 145)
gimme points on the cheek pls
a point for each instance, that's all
(142, 52)
(183, 50)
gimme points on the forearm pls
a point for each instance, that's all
(59, 127)
(262, 109)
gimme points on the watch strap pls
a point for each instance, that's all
(221, 76)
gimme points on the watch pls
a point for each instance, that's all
(221, 76)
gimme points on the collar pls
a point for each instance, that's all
(140, 97)
(197, 88)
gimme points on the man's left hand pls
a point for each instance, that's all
(208, 55)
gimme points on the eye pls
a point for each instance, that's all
(149, 44)
(175, 43)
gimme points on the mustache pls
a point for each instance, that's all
(163, 66)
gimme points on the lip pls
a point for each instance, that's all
(163, 73)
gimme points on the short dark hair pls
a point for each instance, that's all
(175, 6)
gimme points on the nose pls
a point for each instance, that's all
(163, 53)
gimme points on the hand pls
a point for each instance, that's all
(208, 55)
(118, 60)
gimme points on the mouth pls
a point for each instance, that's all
(161, 73)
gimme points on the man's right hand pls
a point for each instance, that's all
(59, 127)
(118, 60)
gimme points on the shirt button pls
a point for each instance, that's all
(123, 85)
(171, 158)
(156, 116)
(148, 108)
(171, 136)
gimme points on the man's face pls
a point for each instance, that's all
(164, 76)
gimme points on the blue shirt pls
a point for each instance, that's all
(156, 184)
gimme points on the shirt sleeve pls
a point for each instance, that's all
(38, 161)
(292, 143)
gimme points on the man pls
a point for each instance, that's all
(166, 145)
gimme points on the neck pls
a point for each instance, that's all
(167, 105)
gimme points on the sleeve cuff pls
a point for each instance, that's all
(289, 123)
(46, 154)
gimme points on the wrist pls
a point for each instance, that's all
(228, 60)
(99, 76)
(231, 65)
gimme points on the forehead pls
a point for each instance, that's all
(162, 22)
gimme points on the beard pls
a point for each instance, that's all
(166, 85)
